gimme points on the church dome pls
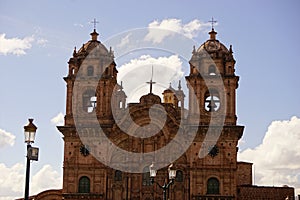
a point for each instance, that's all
(169, 90)
(92, 44)
(150, 99)
(213, 45)
(214, 48)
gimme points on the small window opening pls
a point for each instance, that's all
(179, 176)
(90, 71)
(118, 175)
(212, 70)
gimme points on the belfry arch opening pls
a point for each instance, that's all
(212, 100)
(89, 101)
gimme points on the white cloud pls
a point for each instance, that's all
(12, 180)
(58, 120)
(6, 197)
(15, 46)
(276, 160)
(42, 41)
(157, 30)
(46, 178)
(166, 70)
(124, 41)
(78, 24)
(6, 138)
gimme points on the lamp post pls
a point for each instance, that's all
(166, 185)
(32, 152)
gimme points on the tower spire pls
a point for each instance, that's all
(179, 85)
(121, 86)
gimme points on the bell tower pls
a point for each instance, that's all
(212, 83)
(92, 82)
(92, 92)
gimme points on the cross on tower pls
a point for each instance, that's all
(212, 22)
(151, 82)
(95, 22)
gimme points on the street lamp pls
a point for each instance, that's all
(165, 186)
(32, 152)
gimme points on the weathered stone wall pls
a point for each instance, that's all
(46, 195)
(244, 173)
(265, 193)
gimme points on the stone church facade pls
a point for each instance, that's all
(217, 175)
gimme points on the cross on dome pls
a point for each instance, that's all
(95, 22)
(151, 82)
(94, 34)
(212, 23)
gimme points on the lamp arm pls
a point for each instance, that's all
(153, 181)
(170, 183)
(165, 186)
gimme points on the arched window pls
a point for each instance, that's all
(212, 70)
(90, 71)
(146, 176)
(213, 186)
(179, 176)
(118, 175)
(212, 100)
(84, 185)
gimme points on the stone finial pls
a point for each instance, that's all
(111, 52)
(74, 52)
(230, 49)
(83, 49)
(121, 86)
(179, 85)
(194, 49)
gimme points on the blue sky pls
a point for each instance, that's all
(264, 35)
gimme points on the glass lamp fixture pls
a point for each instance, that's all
(172, 172)
(152, 171)
(29, 132)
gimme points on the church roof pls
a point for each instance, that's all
(150, 99)
(212, 44)
(214, 48)
(92, 44)
(169, 90)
